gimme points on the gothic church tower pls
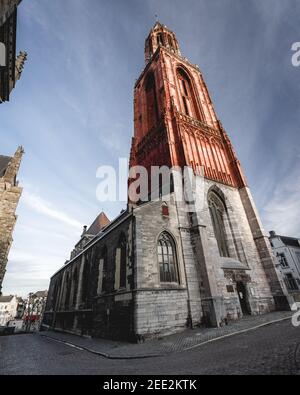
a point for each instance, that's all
(167, 263)
(228, 263)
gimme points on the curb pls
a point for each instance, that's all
(145, 356)
(102, 354)
(239, 332)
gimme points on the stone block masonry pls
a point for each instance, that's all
(10, 193)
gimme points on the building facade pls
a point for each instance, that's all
(287, 252)
(10, 66)
(89, 233)
(10, 193)
(34, 307)
(8, 309)
(165, 263)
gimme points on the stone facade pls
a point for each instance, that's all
(86, 297)
(287, 252)
(167, 263)
(7, 8)
(8, 309)
(10, 193)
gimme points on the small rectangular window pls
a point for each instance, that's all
(282, 260)
(291, 282)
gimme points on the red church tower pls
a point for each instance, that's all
(175, 125)
(174, 118)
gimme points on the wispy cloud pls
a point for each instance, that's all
(30, 270)
(36, 261)
(44, 207)
(282, 212)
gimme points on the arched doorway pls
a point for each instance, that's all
(243, 298)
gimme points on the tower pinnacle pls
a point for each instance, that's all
(160, 36)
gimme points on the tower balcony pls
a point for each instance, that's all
(197, 124)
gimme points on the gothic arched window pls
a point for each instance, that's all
(54, 295)
(57, 291)
(75, 287)
(189, 103)
(151, 102)
(68, 291)
(102, 275)
(167, 259)
(123, 261)
(85, 279)
(217, 211)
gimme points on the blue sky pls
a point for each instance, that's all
(73, 109)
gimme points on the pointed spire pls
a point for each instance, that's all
(14, 166)
(20, 62)
(100, 223)
(160, 36)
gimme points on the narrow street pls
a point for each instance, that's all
(274, 349)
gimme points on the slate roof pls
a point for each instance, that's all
(286, 240)
(100, 223)
(4, 161)
(290, 241)
(6, 299)
(110, 227)
(41, 294)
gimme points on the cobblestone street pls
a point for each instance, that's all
(273, 349)
(181, 341)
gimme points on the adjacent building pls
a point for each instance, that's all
(10, 66)
(287, 253)
(20, 309)
(8, 309)
(33, 310)
(16, 324)
(89, 233)
(167, 263)
(10, 193)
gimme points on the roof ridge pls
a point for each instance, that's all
(100, 222)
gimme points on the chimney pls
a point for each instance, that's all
(84, 230)
(272, 233)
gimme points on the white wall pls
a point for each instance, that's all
(8, 311)
(292, 256)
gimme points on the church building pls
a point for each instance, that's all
(165, 264)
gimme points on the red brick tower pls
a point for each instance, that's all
(174, 119)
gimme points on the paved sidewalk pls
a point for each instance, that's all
(174, 343)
